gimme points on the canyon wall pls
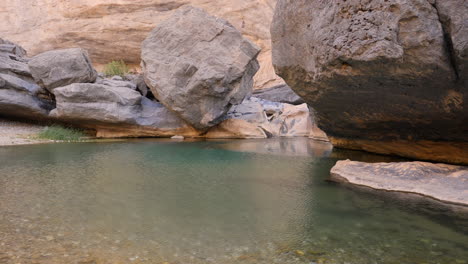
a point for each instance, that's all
(114, 29)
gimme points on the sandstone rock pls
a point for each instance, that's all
(116, 112)
(198, 66)
(236, 128)
(280, 93)
(113, 30)
(58, 68)
(275, 119)
(440, 181)
(379, 73)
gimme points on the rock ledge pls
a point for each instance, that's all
(447, 183)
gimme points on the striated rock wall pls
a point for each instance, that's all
(114, 29)
(387, 76)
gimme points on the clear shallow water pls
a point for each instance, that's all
(252, 201)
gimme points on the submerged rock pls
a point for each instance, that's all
(443, 182)
(385, 76)
(57, 68)
(198, 66)
(116, 112)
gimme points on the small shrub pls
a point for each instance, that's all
(56, 132)
(116, 68)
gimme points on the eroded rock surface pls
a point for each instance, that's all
(198, 66)
(58, 68)
(440, 181)
(280, 93)
(116, 111)
(386, 76)
(274, 119)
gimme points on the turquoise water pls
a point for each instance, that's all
(251, 201)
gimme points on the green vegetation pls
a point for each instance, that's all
(116, 68)
(56, 132)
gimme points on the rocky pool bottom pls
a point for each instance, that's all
(249, 201)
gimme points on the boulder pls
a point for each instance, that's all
(440, 181)
(19, 95)
(115, 111)
(57, 68)
(280, 93)
(198, 66)
(384, 76)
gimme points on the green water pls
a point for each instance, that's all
(252, 201)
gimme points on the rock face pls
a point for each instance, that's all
(387, 76)
(116, 111)
(440, 181)
(280, 93)
(19, 95)
(198, 66)
(257, 118)
(58, 68)
(114, 30)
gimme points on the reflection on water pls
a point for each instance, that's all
(208, 202)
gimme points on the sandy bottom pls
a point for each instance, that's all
(19, 133)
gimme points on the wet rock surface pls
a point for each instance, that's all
(198, 66)
(379, 71)
(443, 182)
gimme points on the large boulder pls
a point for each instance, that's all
(440, 181)
(384, 76)
(116, 111)
(57, 68)
(198, 66)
